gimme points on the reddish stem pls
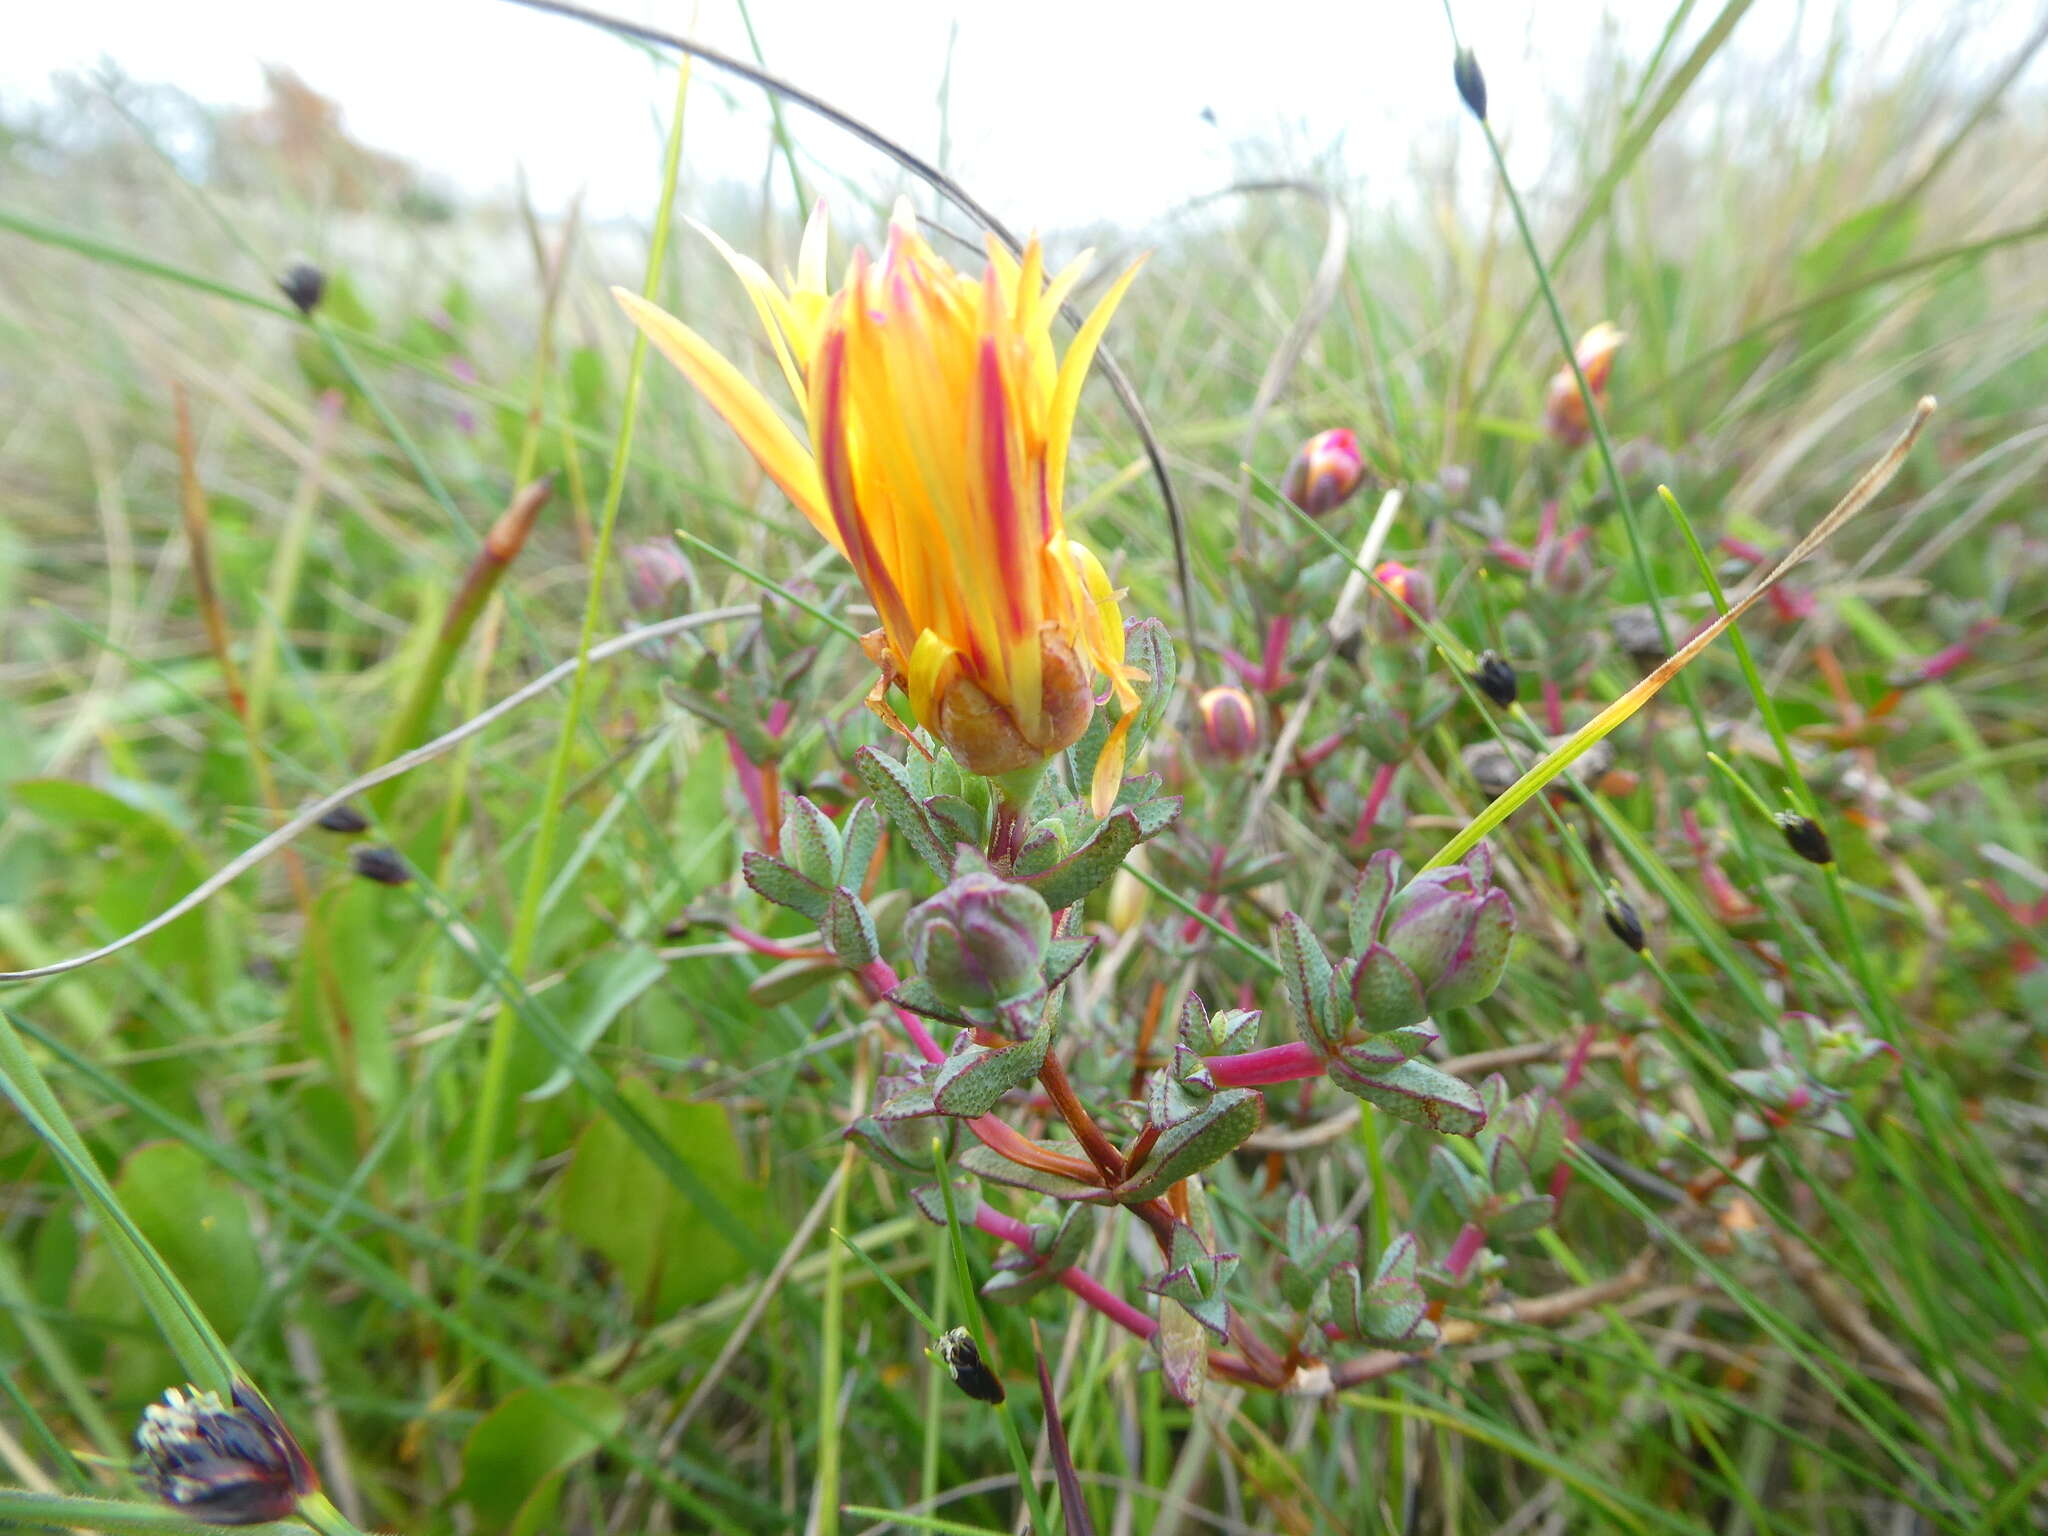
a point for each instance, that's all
(1079, 1281)
(1277, 635)
(1576, 1067)
(1375, 797)
(775, 949)
(1288, 1063)
(992, 1133)
(1553, 708)
(748, 772)
(881, 979)
(1464, 1249)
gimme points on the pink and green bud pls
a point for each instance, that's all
(654, 569)
(1325, 473)
(1230, 724)
(1443, 943)
(981, 941)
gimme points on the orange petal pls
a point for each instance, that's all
(1067, 393)
(1109, 767)
(744, 408)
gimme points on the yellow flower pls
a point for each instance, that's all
(939, 418)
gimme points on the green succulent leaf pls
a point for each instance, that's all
(849, 931)
(775, 881)
(889, 783)
(974, 1077)
(1416, 1091)
(1205, 1139)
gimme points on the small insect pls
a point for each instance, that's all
(964, 1364)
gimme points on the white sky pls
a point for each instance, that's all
(1063, 111)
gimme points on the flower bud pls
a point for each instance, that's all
(1565, 413)
(1805, 837)
(1623, 923)
(654, 569)
(1496, 679)
(1325, 473)
(1443, 943)
(1405, 585)
(1452, 928)
(1230, 724)
(1470, 82)
(225, 1465)
(304, 284)
(979, 942)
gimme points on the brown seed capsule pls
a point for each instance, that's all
(1805, 837)
(304, 284)
(344, 818)
(1471, 83)
(385, 865)
(1623, 923)
(1496, 679)
(970, 1373)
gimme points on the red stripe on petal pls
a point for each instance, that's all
(1001, 488)
(835, 468)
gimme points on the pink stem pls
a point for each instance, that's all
(1079, 1281)
(1288, 1063)
(1277, 634)
(1464, 1249)
(1553, 708)
(749, 775)
(761, 944)
(1576, 1067)
(1375, 797)
(879, 975)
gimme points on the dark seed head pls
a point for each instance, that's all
(969, 1371)
(1805, 837)
(304, 284)
(1623, 923)
(1471, 83)
(227, 1464)
(344, 818)
(375, 861)
(1496, 679)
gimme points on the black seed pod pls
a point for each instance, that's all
(1804, 836)
(344, 818)
(1496, 679)
(375, 861)
(969, 1371)
(1471, 83)
(1623, 923)
(304, 284)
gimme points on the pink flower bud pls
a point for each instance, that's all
(1411, 587)
(1325, 473)
(1230, 724)
(654, 568)
(1565, 415)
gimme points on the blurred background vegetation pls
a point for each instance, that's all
(279, 1087)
